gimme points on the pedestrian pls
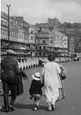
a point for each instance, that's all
(62, 77)
(36, 90)
(9, 68)
(52, 82)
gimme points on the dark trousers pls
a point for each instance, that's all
(6, 87)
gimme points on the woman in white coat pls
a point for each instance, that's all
(52, 82)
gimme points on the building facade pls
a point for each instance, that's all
(59, 43)
(71, 45)
(32, 34)
(18, 38)
(42, 38)
(36, 40)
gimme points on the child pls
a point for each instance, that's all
(36, 90)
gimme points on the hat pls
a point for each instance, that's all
(10, 52)
(36, 76)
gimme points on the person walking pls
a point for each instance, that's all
(35, 90)
(62, 77)
(52, 82)
(9, 68)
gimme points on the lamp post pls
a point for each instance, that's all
(8, 25)
(39, 42)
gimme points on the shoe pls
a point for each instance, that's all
(7, 110)
(49, 108)
(52, 106)
(10, 95)
(11, 108)
(31, 97)
(3, 109)
(36, 108)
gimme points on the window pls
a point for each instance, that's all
(44, 41)
(1, 21)
(11, 34)
(31, 31)
(31, 37)
(40, 47)
(21, 24)
(36, 47)
(1, 32)
(5, 32)
(44, 47)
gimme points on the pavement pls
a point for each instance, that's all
(71, 105)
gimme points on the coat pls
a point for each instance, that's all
(9, 68)
(51, 72)
(18, 83)
(52, 81)
(36, 87)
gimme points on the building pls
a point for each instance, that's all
(4, 32)
(32, 34)
(74, 35)
(22, 41)
(71, 45)
(77, 47)
(36, 40)
(56, 42)
(59, 43)
(42, 38)
(53, 23)
(18, 37)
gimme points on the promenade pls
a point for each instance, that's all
(71, 105)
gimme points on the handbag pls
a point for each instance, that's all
(61, 94)
(63, 75)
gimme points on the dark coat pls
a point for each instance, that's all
(9, 68)
(36, 87)
(19, 83)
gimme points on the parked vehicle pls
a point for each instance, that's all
(76, 56)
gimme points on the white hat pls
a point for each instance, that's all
(36, 76)
(10, 52)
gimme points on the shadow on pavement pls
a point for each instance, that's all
(28, 106)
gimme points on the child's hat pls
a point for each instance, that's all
(36, 76)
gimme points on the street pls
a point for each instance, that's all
(71, 105)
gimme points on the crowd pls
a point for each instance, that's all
(11, 77)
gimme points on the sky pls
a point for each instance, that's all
(38, 11)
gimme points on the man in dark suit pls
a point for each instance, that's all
(9, 67)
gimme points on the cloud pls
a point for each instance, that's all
(38, 11)
(69, 12)
(42, 11)
(66, 1)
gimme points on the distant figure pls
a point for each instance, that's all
(62, 77)
(52, 82)
(9, 68)
(36, 90)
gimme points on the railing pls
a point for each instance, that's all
(34, 61)
(30, 62)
